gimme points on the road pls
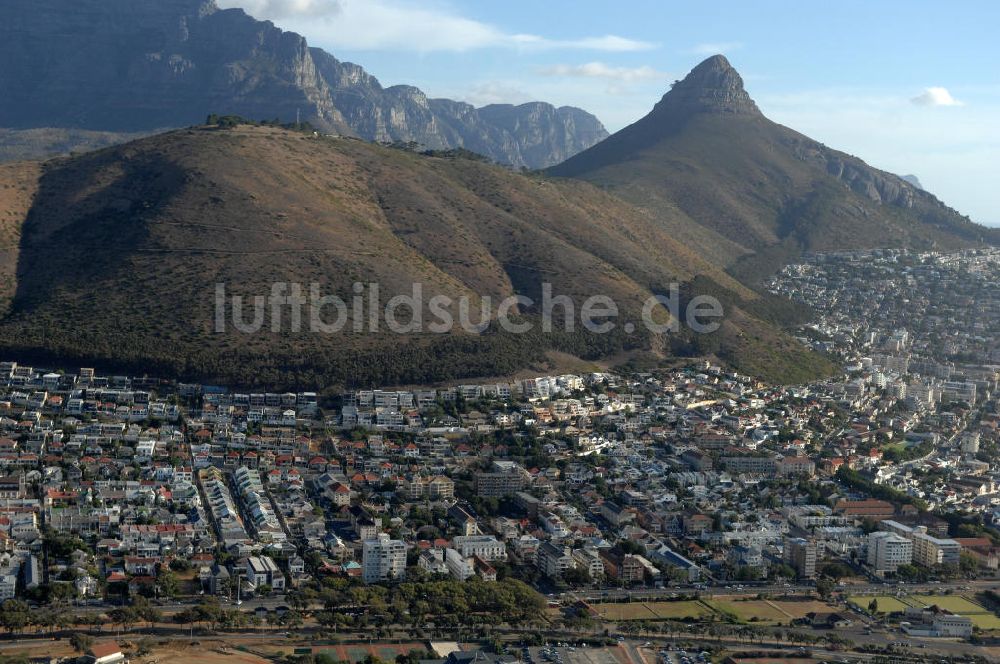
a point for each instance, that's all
(613, 595)
(604, 595)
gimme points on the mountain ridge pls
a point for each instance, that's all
(142, 65)
(754, 192)
(114, 257)
(704, 192)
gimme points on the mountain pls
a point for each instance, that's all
(114, 257)
(20, 144)
(751, 194)
(914, 180)
(145, 65)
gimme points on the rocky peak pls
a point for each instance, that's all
(714, 86)
(142, 65)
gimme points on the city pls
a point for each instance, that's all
(701, 498)
(454, 332)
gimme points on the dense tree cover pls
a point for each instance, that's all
(446, 602)
(62, 545)
(898, 454)
(81, 642)
(856, 480)
(15, 615)
(233, 121)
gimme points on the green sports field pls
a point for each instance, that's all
(886, 603)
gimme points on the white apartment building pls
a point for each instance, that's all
(485, 546)
(930, 551)
(460, 567)
(887, 551)
(927, 549)
(553, 560)
(383, 559)
(262, 571)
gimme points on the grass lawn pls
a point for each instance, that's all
(800, 609)
(631, 611)
(680, 610)
(986, 621)
(953, 603)
(886, 603)
(653, 610)
(764, 612)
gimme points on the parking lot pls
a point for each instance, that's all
(682, 657)
(556, 654)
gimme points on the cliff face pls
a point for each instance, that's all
(138, 65)
(711, 87)
(122, 65)
(533, 135)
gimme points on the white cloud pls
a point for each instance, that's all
(610, 43)
(601, 70)
(885, 129)
(935, 97)
(407, 26)
(714, 48)
(279, 9)
(494, 92)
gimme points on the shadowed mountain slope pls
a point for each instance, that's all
(117, 255)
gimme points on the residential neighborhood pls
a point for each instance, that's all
(687, 482)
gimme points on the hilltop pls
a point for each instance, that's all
(115, 255)
(752, 194)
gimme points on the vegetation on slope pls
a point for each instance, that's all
(119, 256)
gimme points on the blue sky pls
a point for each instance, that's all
(911, 87)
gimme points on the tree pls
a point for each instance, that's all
(824, 587)
(630, 547)
(51, 619)
(291, 619)
(180, 565)
(837, 571)
(577, 576)
(873, 606)
(81, 642)
(124, 616)
(144, 646)
(167, 583)
(968, 564)
(208, 611)
(783, 570)
(15, 615)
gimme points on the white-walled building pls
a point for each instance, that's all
(887, 551)
(383, 559)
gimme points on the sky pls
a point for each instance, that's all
(910, 87)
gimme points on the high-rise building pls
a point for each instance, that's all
(930, 551)
(887, 551)
(383, 559)
(503, 479)
(800, 554)
(970, 443)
